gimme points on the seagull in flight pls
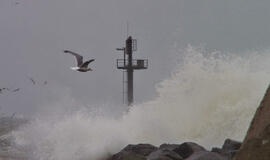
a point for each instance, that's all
(81, 66)
(16, 90)
(32, 80)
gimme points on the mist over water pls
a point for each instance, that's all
(208, 98)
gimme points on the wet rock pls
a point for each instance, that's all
(206, 155)
(164, 154)
(169, 146)
(230, 145)
(184, 151)
(228, 154)
(229, 148)
(123, 155)
(140, 149)
(188, 148)
(134, 152)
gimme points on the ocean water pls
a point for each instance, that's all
(210, 96)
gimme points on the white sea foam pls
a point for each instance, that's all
(209, 97)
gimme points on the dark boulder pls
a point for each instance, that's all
(123, 155)
(226, 153)
(206, 155)
(134, 152)
(188, 148)
(169, 146)
(230, 145)
(164, 154)
(140, 149)
(229, 148)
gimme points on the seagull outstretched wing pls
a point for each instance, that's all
(85, 64)
(78, 57)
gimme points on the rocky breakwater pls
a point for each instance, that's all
(256, 145)
(184, 151)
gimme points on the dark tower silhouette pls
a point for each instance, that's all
(129, 65)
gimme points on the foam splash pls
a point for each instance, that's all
(208, 98)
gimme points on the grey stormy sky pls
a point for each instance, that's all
(33, 34)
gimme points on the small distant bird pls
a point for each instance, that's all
(45, 83)
(2, 89)
(33, 81)
(16, 90)
(13, 115)
(81, 66)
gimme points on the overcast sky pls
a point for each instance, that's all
(34, 33)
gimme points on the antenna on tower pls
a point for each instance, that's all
(127, 28)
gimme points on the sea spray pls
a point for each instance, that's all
(209, 97)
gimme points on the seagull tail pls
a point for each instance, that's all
(74, 68)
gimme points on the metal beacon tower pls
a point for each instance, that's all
(128, 65)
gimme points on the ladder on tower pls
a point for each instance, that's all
(124, 81)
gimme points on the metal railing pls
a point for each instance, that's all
(136, 64)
